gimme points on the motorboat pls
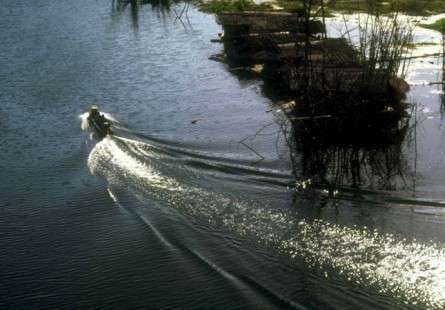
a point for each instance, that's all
(99, 122)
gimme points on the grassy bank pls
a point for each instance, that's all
(410, 7)
(218, 6)
(438, 26)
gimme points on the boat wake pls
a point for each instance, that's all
(409, 270)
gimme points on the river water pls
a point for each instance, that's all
(190, 205)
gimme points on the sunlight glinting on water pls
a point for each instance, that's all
(410, 271)
(117, 157)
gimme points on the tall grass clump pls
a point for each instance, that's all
(382, 42)
(358, 125)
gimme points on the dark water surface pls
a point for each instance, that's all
(173, 211)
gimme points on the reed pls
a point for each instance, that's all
(359, 142)
(382, 43)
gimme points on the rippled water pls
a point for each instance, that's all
(173, 211)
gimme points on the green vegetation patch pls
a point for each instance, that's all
(438, 26)
(290, 5)
(410, 7)
(419, 7)
(218, 6)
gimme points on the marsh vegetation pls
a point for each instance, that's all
(349, 117)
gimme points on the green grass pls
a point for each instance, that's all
(418, 7)
(218, 6)
(438, 26)
(290, 5)
(409, 7)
